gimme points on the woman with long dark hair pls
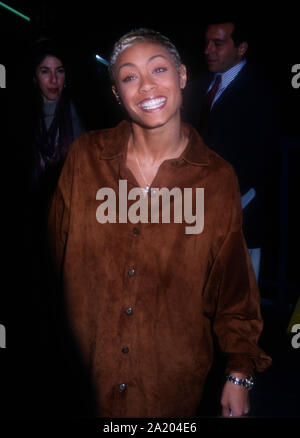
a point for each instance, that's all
(57, 122)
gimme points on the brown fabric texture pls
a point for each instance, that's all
(184, 287)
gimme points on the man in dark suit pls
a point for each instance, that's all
(233, 108)
(237, 118)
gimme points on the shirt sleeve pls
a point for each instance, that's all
(59, 212)
(234, 298)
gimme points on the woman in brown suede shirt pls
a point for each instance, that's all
(144, 296)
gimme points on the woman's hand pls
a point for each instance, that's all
(235, 398)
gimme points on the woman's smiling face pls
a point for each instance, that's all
(148, 83)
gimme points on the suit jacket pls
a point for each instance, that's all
(243, 128)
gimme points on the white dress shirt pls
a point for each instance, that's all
(226, 78)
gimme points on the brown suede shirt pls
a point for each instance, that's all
(144, 299)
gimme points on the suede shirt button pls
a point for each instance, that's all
(122, 387)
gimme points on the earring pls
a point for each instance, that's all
(116, 94)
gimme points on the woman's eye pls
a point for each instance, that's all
(128, 78)
(160, 70)
(61, 70)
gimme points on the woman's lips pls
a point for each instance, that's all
(53, 90)
(153, 103)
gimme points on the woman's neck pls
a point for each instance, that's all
(149, 148)
(157, 145)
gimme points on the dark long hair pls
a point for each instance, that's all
(50, 145)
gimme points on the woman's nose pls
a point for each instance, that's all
(53, 78)
(147, 84)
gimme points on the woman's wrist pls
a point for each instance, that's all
(240, 379)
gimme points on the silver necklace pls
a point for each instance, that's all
(147, 188)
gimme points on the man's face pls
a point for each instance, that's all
(220, 52)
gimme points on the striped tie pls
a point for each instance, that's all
(209, 97)
(213, 91)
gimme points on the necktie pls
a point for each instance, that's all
(213, 91)
(208, 101)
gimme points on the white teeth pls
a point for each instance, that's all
(153, 103)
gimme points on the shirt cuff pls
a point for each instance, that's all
(246, 364)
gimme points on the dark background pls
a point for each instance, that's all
(35, 383)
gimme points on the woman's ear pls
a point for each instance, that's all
(116, 94)
(182, 76)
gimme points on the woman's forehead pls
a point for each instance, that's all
(142, 51)
(51, 60)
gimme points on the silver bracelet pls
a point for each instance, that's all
(247, 383)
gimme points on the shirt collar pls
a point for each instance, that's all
(112, 143)
(230, 74)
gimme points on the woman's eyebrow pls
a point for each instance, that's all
(127, 64)
(131, 64)
(46, 66)
(156, 56)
